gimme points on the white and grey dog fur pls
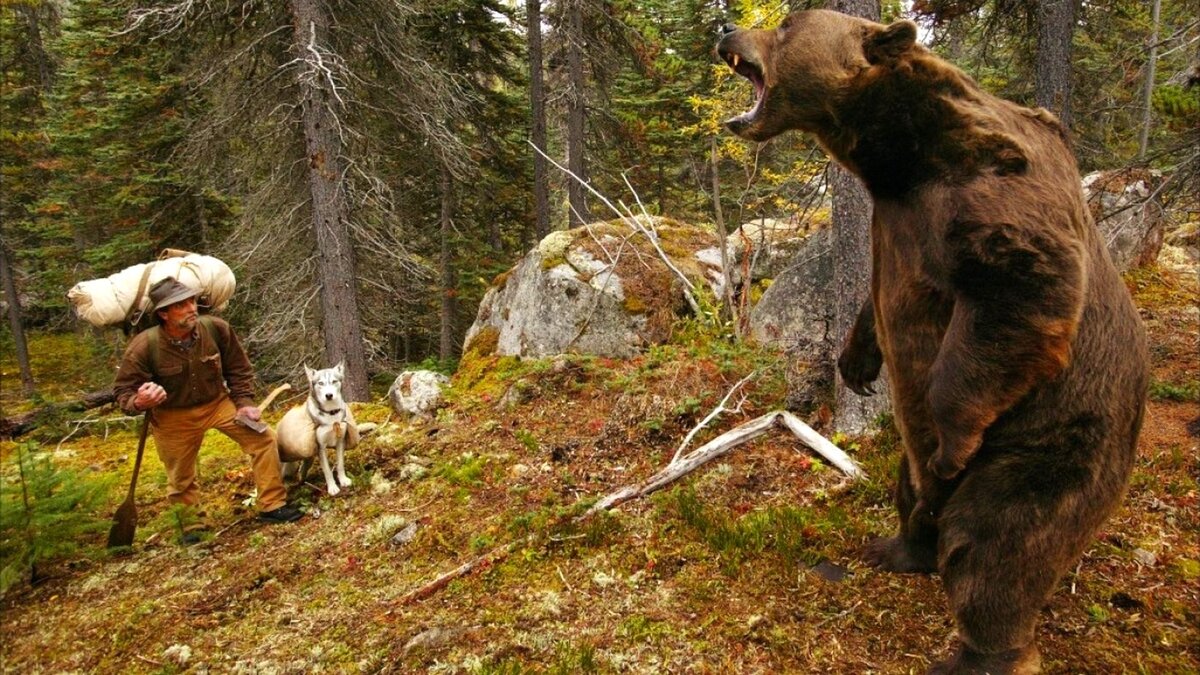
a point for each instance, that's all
(329, 424)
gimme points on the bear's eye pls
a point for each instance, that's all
(787, 23)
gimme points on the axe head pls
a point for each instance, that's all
(254, 425)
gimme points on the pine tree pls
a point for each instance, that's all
(44, 510)
(27, 73)
(116, 195)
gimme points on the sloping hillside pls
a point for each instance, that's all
(748, 565)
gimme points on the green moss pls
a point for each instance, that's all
(1181, 393)
(634, 305)
(790, 533)
(1188, 569)
(551, 263)
(553, 249)
(483, 343)
(757, 290)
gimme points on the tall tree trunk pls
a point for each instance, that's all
(723, 235)
(201, 221)
(576, 114)
(36, 46)
(852, 208)
(537, 98)
(446, 350)
(336, 267)
(1052, 71)
(1148, 94)
(15, 320)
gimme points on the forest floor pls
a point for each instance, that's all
(748, 565)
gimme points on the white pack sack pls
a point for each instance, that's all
(107, 301)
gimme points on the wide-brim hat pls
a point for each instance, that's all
(168, 291)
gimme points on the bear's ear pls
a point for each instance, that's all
(885, 46)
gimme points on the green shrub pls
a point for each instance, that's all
(44, 510)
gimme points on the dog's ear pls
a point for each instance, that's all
(340, 368)
(309, 372)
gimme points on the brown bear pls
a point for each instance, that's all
(1017, 361)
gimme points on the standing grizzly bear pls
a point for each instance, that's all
(1017, 361)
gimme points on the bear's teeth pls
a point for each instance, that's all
(736, 59)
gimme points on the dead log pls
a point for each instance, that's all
(17, 425)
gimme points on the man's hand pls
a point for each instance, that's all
(250, 412)
(149, 395)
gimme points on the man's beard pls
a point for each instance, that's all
(186, 323)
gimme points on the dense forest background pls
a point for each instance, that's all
(368, 166)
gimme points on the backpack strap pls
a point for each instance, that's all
(152, 336)
(207, 322)
(135, 313)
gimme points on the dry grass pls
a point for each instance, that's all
(714, 576)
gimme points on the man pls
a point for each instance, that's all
(194, 376)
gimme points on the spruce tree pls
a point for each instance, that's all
(44, 511)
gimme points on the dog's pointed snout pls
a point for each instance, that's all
(728, 28)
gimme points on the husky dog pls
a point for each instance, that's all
(324, 421)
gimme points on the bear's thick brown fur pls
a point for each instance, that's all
(1017, 361)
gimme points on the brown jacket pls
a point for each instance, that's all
(199, 375)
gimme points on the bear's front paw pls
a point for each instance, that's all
(859, 366)
(943, 466)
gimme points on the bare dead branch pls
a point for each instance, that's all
(722, 445)
(629, 219)
(486, 560)
(713, 415)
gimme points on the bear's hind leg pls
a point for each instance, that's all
(1008, 533)
(914, 549)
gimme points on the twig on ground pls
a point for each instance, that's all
(416, 508)
(491, 557)
(712, 415)
(229, 527)
(837, 616)
(564, 578)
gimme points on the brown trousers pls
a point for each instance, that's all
(178, 433)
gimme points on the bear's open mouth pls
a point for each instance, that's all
(751, 71)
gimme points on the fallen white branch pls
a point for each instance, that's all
(720, 446)
(713, 415)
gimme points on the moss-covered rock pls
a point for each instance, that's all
(598, 289)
